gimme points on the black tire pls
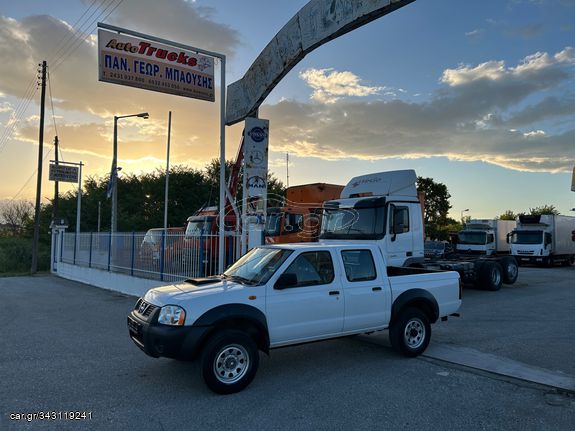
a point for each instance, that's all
(510, 269)
(410, 332)
(490, 276)
(229, 362)
(549, 262)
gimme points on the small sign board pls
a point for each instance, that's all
(141, 63)
(64, 173)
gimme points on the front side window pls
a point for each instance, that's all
(490, 238)
(358, 265)
(399, 223)
(312, 268)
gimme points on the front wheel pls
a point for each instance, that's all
(510, 270)
(230, 360)
(410, 332)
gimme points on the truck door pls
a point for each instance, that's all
(312, 307)
(399, 235)
(366, 291)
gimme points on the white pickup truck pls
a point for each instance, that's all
(277, 296)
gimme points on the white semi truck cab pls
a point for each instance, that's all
(544, 239)
(382, 208)
(485, 237)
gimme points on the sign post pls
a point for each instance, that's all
(256, 140)
(140, 60)
(69, 172)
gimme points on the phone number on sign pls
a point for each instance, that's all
(51, 415)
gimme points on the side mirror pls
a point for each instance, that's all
(507, 238)
(285, 281)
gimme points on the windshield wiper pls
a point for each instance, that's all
(242, 280)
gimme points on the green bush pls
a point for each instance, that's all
(16, 255)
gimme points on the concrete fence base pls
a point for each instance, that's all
(107, 280)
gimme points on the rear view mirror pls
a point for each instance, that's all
(285, 281)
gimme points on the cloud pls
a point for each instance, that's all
(468, 119)
(474, 34)
(78, 94)
(329, 85)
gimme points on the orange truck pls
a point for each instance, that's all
(299, 219)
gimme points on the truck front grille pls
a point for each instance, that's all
(525, 252)
(144, 308)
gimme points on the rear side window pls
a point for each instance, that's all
(359, 265)
(312, 268)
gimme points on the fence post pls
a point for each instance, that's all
(75, 242)
(162, 255)
(201, 262)
(90, 257)
(133, 253)
(61, 245)
(109, 249)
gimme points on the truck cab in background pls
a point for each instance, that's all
(298, 219)
(485, 237)
(385, 208)
(544, 239)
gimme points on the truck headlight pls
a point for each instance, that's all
(172, 315)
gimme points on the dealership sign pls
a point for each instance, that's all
(256, 160)
(137, 62)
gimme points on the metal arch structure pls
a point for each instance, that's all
(318, 22)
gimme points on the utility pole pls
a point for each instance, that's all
(34, 267)
(56, 191)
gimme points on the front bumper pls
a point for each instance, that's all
(156, 340)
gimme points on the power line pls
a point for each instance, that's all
(52, 104)
(87, 32)
(32, 176)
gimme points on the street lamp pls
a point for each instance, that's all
(114, 222)
(462, 211)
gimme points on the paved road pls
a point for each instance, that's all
(64, 346)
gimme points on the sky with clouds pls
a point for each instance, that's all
(477, 95)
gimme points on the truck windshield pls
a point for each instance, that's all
(258, 265)
(273, 224)
(202, 226)
(351, 223)
(472, 238)
(527, 237)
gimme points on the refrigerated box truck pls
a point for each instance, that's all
(486, 237)
(546, 239)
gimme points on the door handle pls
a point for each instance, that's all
(376, 289)
(334, 292)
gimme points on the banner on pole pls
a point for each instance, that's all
(141, 63)
(256, 157)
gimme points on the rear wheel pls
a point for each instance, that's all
(510, 269)
(410, 332)
(230, 360)
(490, 276)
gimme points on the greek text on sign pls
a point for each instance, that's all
(68, 174)
(134, 62)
